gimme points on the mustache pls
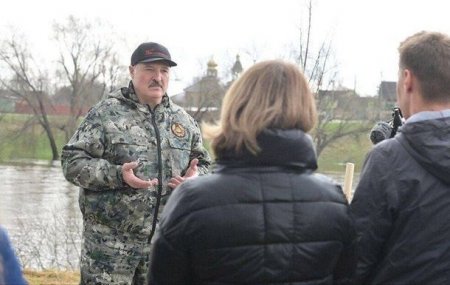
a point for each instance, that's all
(155, 83)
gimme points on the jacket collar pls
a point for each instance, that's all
(282, 148)
(129, 94)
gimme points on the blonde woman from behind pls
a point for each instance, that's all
(263, 216)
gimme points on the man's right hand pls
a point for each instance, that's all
(134, 181)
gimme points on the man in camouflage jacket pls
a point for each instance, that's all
(127, 155)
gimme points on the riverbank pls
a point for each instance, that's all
(51, 277)
(32, 144)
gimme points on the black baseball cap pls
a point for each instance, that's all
(149, 52)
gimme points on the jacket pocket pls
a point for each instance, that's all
(180, 151)
(125, 148)
(125, 210)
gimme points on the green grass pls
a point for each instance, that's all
(348, 149)
(29, 144)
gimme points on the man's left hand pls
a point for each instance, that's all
(191, 172)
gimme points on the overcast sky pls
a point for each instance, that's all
(365, 34)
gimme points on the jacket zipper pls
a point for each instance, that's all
(158, 198)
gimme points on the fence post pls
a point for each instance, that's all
(348, 180)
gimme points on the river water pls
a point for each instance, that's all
(39, 208)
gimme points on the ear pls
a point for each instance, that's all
(408, 80)
(131, 70)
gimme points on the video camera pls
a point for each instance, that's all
(385, 130)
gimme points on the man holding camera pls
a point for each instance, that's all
(402, 202)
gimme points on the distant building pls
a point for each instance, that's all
(237, 69)
(203, 99)
(387, 91)
(22, 106)
(387, 96)
(7, 101)
(346, 104)
(56, 104)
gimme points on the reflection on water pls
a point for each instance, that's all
(40, 210)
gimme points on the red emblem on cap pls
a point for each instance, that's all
(153, 52)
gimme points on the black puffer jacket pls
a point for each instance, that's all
(257, 220)
(402, 208)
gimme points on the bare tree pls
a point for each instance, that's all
(28, 83)
(87, 67)
(113, 75)
(317, 64)
(85, 58)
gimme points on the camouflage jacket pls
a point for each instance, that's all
(117, 130)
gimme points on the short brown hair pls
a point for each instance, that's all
(427, 56)
(270, 94)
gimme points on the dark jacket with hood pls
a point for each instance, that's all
(402, 207)
(263, 219)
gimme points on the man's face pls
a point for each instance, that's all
(150, 81)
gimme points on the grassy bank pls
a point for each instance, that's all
(349, 149)
(33, 144)
(52, 277)
(23, 138)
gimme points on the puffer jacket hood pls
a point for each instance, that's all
(289, 148)
(125, 94)
(428, 143)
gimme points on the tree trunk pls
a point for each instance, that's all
(51, 139)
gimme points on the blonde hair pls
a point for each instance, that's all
(270, 94)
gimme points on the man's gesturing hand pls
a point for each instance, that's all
(134, 181)
(190, 173)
